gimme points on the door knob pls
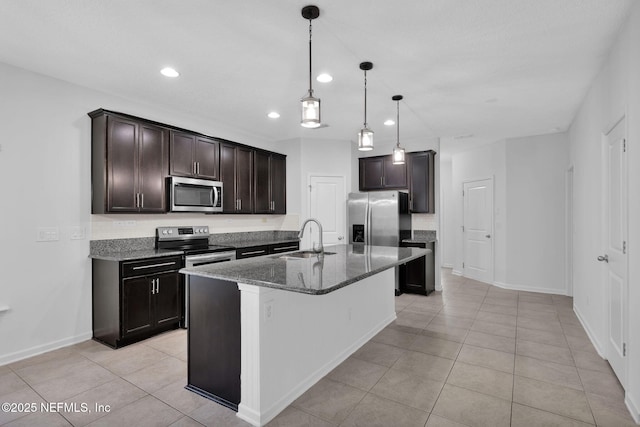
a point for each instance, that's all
(340, 237)
(488, 236)
(603, 258)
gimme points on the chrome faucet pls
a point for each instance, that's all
(320, 248)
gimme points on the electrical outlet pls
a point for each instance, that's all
(48, 234)
(124, 224)
(77, 233)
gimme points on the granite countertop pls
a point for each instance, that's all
(128, 255)
(316, 275)
(144, 247)
(422, 236)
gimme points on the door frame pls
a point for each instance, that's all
(492, 222)
(569, 208)
(604, 235)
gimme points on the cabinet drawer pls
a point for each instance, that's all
(252, 251)
(284, 247)
(150, 266)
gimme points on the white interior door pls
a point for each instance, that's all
(328, 204)
(615, 256)
(478, 230)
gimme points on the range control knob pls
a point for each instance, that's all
(170, 231)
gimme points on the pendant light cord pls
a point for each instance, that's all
(398, 125)
(310, 79)
(365, 99)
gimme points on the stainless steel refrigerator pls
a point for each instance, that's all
(379, 218)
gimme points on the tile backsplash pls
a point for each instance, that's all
(125, 226)
(424, 221)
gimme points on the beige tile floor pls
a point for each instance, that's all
(472, 355)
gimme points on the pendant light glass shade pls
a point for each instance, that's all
(365, 139)
(310, 112)
(310, 104)
(398, 152)
(365, 136)
(398, 155)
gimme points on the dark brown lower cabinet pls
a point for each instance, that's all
(214, 340)
(274, 248)
(417, 276)
(133, 300)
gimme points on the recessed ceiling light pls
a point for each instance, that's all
(273, 115)
(467, 135)
(389, 122)
(324, 78)
(169, 72)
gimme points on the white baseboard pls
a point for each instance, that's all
(255, 419)
(585, 325)
(527, 288)
(633, 406)
(447, 265)
(456, 272)
(5, 359)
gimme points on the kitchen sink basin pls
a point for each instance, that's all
(304, 254)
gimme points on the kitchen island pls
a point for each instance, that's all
(264, 330)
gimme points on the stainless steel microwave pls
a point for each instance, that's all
(194, 195)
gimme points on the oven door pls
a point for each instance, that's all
(195, 261)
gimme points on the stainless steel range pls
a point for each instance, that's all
(194, 242)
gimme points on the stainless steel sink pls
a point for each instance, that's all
(304, 254)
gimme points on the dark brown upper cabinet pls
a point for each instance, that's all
(270, 182)
(379, 173)
(130, 160)
(132, 157)
(236, 174)
(420, 167)
(194, 155)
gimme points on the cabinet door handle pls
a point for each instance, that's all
(193, 168)
(137, 200)
(239, 204)
(198, 168)
(286, 248)
(254, 252)
(153, 286)
(381, 181)
(141, 200)
(141, 267)
(157, 286)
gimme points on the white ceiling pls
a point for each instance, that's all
(487, 68)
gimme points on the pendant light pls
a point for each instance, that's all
(310, 105)
(398, 152)
(365, 136)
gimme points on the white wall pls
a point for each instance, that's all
(528, 231)
(448, 249)
(485, 162)
(45, 181)
(616, 91)
(535, 196)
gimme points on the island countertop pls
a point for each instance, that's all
(317, 275)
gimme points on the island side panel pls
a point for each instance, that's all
(214, 340)
(291, 340)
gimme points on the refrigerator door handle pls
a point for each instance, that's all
(367, 226)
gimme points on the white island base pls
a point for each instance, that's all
(290, 340)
